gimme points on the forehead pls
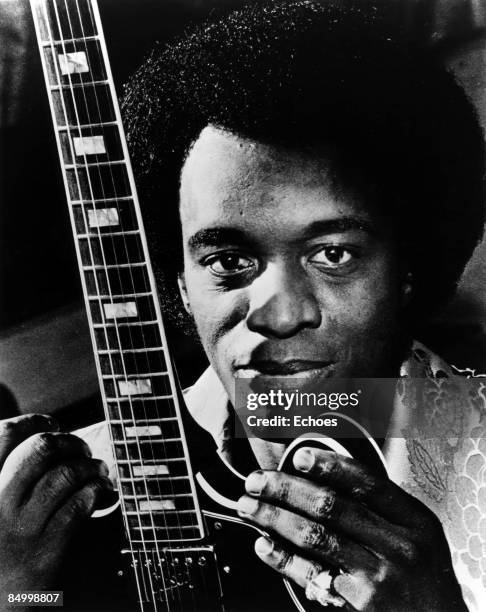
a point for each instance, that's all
(231, 180)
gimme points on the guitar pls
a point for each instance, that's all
(185, 547)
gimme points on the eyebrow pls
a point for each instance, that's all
(216, 236)
(228, 235)
(340, 225)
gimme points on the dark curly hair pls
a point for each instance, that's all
(312, 75)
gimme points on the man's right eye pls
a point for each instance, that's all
(227, 264)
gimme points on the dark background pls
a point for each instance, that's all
(45, 353)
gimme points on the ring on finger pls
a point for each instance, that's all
(319, 589)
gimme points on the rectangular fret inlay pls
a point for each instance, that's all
(73, 63)
(89, 145)
(150, 470)
(159, 504)
(120, 310)
(103, 217)
(135, 387)
(143, 430)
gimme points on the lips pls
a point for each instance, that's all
(290, 367)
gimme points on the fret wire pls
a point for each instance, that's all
(147, 441)
(132, 376)
(120, 296)
(110, 234)
(116, 351)
(165, 528)
(150, 397)
(167, 541)
(114, 266)
(61, 87)
(144, 421)
(146, 461)
(102, 164)
(95, 201)
(166, 477)
(86, 126)
(59, 41)
(112, 325)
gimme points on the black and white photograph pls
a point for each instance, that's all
(243, 305)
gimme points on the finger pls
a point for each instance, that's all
(30, 460)
(78, 507)
(359, 482)
(323, 504)
(356, 588)
(296, 568)
(59, 484)
(16, 430)
(291, 566)
(316, 540)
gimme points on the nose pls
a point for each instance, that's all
(282, 302)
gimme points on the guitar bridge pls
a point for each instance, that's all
(179, 579)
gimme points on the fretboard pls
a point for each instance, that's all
(136, 378)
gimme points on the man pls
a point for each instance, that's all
(329, 181)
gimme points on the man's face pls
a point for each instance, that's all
(285, 272)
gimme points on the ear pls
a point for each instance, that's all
(181, 281)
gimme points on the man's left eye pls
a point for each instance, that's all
(332, 256)
(227, 264)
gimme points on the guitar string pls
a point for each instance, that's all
(75, 171)
(67, 119)
(126, 249)
(161, 368)
(102, 250)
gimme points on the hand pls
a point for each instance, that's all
(48, 486)
(390, 549)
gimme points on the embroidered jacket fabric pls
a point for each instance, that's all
(435, 449)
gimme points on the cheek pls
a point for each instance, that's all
(363, 317)
(375, 304)
(216, 314)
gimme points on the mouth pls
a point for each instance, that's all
(292, 368)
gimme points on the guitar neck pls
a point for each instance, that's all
(137, 383)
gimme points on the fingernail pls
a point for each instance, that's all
(247, 505)
(263, 546)
(304, 459)
(255, 482)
